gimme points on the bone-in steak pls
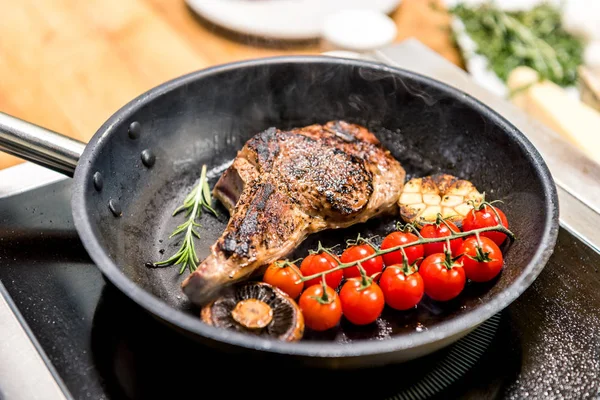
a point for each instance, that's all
(285, 185)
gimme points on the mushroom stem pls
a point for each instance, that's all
(252, 314)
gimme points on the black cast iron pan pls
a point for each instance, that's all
(142, 161)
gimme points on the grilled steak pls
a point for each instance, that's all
(285, 185)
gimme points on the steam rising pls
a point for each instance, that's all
(375, 75)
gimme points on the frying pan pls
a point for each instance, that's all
(141, 163)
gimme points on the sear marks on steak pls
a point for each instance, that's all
(285, 185)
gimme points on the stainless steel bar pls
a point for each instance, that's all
(24, 375)
(39, 145)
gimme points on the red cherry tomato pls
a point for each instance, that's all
(481, 260)
(401, 291)
(315, 263)
(443, 279)
(355, 253)
(397, 239)
(438, 231)
(483, 218)
(286, 277)
(320, 312)
(361, 305)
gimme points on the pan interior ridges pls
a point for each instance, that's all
(461, 357)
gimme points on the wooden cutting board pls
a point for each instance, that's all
(68, 65)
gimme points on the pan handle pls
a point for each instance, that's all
(39, 145)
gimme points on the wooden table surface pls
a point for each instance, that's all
(68, 65)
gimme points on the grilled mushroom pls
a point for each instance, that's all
(423, 198)
(259, 309)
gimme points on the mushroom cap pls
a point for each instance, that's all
(256, 308)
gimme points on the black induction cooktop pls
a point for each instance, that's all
(102, 345)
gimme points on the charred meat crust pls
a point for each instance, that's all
(284, 185)
(267, 210)
(323, 179)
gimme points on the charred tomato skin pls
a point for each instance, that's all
(442, 283)
(286, 277)
(320, 316)
(413, 253)
(401, 291)
(361, 305)
(481, 271)
(358, 252)
(431, 231)
(320, 262)
(483, 218)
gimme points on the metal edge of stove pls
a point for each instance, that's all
(32, 376)
(578, 219)
(26, 176)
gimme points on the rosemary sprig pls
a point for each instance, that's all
(197, 200)
(421, 240)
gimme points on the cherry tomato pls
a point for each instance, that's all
(443, 279)
(320, 312)
(315, 263)
(483, 264)
(401, 291)
(397, 239)
(354, 253)
(361, 305)
(286, 277)
(438, 231)
(483, 218)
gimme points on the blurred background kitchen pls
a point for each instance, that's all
(68, 65)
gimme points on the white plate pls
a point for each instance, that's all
(280, 19)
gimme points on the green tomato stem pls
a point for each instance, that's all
(378, 252)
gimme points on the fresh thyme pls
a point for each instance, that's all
(197, 200)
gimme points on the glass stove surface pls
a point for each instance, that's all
(104, 346)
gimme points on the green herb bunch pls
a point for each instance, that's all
(534, 38)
